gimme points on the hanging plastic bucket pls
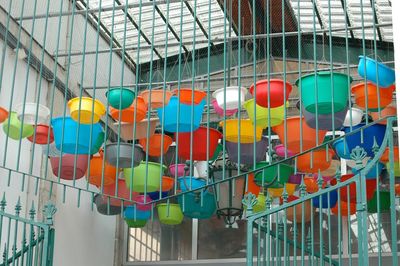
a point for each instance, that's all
(168, 184)
(128, 131)
(332, 169)
(43, 133)
(103, 207)
(132, 223)
(352, 194)
(29, 114)
(280, 151)
(314, 161)
(180, 168)
(294, 127)
(272, 91)
(186, 95)
(68, 166)
(385, 156)
(247, 151)
(187, 183)
(311, 183)
(157, 97)
(50, 150)
(194, 207)
(16, 130)
(123, 193)
(373, 70)
(198, 147)
(252, 186)
(3, 114)
(325, 83)
(296, 178)
(122, 154)
(120, 98)
(171, 124)
(356, 117)
(132, 213)
(325, 201)
(342, 149)
(231, 130)
(220, 111)
(137, 179)
(86, 110)
(95, 172)
(84, 142)
(384, 202)
(296, 213)
(346, 208)
(385, 96)
(372, 174)
(136, 112)
(170, 214)
(370, 133)
(155, 148)
(269, 174)
(388, 111)
(325, 120)
(143, 203)
(262, 116)
(229, 98)
(202, 168)
(396, 168)
(277, 192)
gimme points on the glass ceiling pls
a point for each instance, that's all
(182, 25)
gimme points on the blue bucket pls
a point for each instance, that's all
(372, 173)
(185, 116)
(333, 198)
(156, 195)
(193, 206)
(129, 213)
(339, 147)
(386, 75)
(72, 142)
(190, 183)
(376, 130)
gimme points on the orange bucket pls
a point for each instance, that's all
(385, 155)
(385, 95)
(345, 208)
(186, 96)
(252, 187)
(321, 160)
(96, 170)
(386, 112)
(155, 144)
(128, 114)
(290, 212)
(157, 97)
(294, 125)
(3, 114)
(167, 183)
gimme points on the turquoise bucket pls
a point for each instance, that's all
(194, 207)
(325, 83)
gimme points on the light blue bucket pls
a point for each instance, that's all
(193, 206)
(371, 69)
(130, 214)
(73, 142)
(372, 173)
(171, 124)
(190, 183)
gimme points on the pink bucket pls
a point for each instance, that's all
(68, 166)
(181, 169)
(220, 111)
(280, 151)
(123, 192)
(140, 205)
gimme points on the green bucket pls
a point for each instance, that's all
(384, 202)
(260, 205)
(325, 82)
(262, 114)
(14, 130)
(170, 214)
(396, 168)
(135, 223)
(120, 98)
(138, 177)
(285, 171)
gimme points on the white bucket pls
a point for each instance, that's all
(232, 97)
(356, 117)
(202, 168)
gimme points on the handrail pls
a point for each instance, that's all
(24, 250)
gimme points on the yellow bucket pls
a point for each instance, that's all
(277, 192)
(262, 117)
(89, 107)
(231, 130)
(260, 205)
(396, 168)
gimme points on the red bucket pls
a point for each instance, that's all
(42, 132)
(276, 92)
(199, 144)
(68, 166)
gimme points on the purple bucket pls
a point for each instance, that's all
(220, 111)
(295, 179)
(181, 169)
(246, 151)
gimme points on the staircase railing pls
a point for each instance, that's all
(274, 224)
